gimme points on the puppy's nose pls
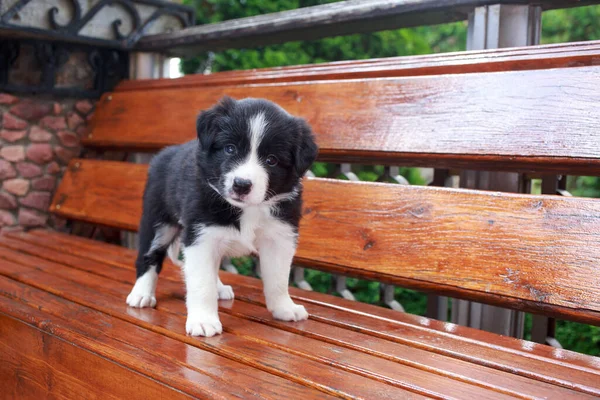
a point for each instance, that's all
(242, 186)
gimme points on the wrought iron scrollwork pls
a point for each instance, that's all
(66, 28)
(73, 28)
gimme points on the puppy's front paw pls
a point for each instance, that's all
(225, 292)
(140, 300)
(203, 326)
(293, 312)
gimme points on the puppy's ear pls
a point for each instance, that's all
(206, 124)
(307, 148)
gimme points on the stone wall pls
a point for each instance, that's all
(38, 137)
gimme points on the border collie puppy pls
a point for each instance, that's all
(234, 191)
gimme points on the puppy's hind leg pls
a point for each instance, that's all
(225, 291)
(174, 250)
(154, 241)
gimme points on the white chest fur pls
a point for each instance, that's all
(256, 223)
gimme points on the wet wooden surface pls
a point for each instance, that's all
(535, 253)
(496, 120)
(72, 290)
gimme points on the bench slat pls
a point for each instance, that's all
(170, 297)
(483, 246)
(561, 55)
(543, 120)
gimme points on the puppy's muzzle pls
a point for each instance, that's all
(241, 186)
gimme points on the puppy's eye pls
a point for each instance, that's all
(272, 160)
(230, 149)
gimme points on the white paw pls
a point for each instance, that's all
(140, 301)
(203, 326)
(225, 292)
(295, 312)
(142, 294)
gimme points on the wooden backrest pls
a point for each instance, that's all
(534, 253)
(534, 120)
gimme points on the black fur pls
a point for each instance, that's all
(178, 191)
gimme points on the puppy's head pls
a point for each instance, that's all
(253, 151)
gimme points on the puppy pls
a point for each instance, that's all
(234, 191)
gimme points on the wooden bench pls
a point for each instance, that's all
(66, 331)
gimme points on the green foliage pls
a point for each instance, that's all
(571, 25)
(558, 26)
(579, 337)
(584, 186)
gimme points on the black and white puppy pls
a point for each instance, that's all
(234, 191)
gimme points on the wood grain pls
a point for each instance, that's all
(504, 120)
(563, 55)
(101, 192)
(35, 363)
(489, 247)
(416, 346)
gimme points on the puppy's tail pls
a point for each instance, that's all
(174, 252)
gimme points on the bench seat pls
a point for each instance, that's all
(65, 321)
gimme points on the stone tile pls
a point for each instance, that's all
(38, 134)
(7, 201)
(31, 110)
(54, 123)
(84, 106)
(31, 218)
(40, 153)
(47, 182)
(6, 98)
(12, 136)
(9, 121)
(68, 139)
(16, 186)
(13, 153)
(7, 170)
(6, 218)
(38, 200)
(29, 170)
